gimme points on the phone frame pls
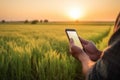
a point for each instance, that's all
(76, 33)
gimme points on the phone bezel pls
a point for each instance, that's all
(76, 33)
(70, 30)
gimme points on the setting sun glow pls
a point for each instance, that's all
(59, 10)
(75, 13)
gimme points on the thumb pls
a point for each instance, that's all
(71, 42)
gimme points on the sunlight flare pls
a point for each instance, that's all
(75, 13)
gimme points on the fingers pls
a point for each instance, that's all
(71, 42)
(75, 51)
(83, 41)
(73, 47)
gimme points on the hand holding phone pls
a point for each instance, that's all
(71, 33)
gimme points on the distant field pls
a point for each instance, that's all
(41, 52)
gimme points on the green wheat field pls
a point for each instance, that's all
(41, 51)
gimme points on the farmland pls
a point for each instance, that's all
(41, 52)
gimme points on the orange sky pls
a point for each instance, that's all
(58, 10)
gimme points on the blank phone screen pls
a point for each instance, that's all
(74, 36)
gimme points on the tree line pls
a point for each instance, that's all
(27, 21)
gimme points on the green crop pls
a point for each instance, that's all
(41, 52)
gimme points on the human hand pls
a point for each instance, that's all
(76, 51)
(90, 49)
(80, 55)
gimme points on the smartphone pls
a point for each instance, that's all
(71, 33)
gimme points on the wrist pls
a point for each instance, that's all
(82, 57)
(87, 65)
(86, 62)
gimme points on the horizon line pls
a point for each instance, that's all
(58, 20)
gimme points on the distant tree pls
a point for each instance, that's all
(45, 20)
(3, 21)
(34, 22)
(41, 21)
(26, 21)
(77, 21)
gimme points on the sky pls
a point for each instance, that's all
(59, 10)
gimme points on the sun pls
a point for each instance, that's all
(75, 13)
